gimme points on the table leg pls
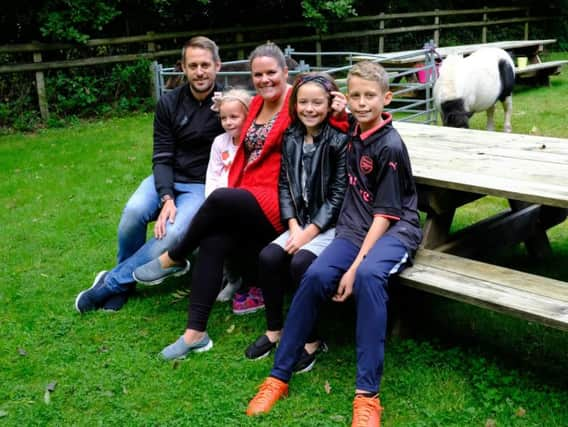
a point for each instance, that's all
(436, 230)
(537, 244)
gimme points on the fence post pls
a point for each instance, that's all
(239, 39)
(528, 12)
(151, 44)
(381, 37)
(156, 80)
(40, 87)
(484, 28)
(437, 29)
(318, 47)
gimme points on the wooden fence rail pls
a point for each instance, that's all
(368, 28)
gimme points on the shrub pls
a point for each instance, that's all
(77, 92)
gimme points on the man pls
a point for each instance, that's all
(184, 129)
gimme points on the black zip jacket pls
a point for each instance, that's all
(184, 129)
(327, 183)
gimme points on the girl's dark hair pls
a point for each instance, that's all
(322, 79)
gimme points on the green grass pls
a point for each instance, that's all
(61, 195)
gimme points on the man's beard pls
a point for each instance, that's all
(198, 90)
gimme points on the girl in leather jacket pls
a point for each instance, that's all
(311, 187)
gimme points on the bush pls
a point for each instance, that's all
(85, 92)
(100, 91)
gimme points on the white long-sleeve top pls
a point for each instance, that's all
(222, 154)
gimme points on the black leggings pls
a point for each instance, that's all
(229, 219)
(275, 267)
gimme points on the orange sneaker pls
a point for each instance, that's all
(271, 390)
(366, 412)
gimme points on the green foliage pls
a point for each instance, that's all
(75, 20)
(317, 13)
(18, 106)
(77, 92)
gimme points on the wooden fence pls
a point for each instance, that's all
(371, 30)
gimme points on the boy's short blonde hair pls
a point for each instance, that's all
(370, 71)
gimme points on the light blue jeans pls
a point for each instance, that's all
(142, 208)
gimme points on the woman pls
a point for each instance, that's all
(244, 217)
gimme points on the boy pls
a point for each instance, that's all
(377, 231)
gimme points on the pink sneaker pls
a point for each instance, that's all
(248, 302)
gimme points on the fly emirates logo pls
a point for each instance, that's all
(365, 195)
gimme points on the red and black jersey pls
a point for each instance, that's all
(380, 183)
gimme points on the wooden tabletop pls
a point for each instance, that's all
(520, 167)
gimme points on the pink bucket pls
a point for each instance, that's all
(424, 75)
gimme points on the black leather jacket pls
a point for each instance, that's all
(328, 181)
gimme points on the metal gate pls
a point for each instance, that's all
(412, 75)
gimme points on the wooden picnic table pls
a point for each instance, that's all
(453, 167)
(458, 165)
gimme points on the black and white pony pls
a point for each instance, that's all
(469, 85)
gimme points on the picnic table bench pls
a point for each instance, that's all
(455, 166)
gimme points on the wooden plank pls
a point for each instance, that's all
(531, 68)
(523, 295)
(480, 140)
(513, 279)
(502, 230)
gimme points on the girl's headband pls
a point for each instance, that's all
(322, 81)
(218, 98)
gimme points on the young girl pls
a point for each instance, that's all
(312, 183)
(232, 107)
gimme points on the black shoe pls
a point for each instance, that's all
(307, 361)
(94, 297)
(260, 348)
(117, 301)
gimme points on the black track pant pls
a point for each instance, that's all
(276, 267)
(230, 220)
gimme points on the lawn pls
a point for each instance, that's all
(61, 195)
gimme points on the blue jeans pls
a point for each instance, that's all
(142, 208)
(388, 256)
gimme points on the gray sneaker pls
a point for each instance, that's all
(179, 349)
(229, 290)
(152, 273)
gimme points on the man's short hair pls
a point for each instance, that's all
(370, 71)
(202, 42)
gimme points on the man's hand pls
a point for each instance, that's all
(167, 214)
(345, 288)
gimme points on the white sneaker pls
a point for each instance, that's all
(229, 290)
